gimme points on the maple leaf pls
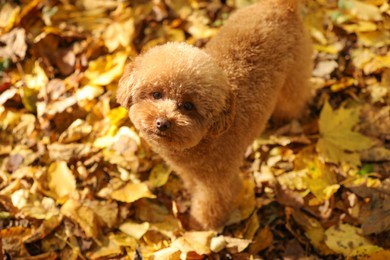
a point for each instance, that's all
(338, 142)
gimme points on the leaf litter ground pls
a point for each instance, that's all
(77, 182)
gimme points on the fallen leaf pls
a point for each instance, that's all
(82, 216)
(159, 175)
(237, 244)
(135, 230)
(217, 244)
(106, 69)
(13, 44)
(60, 179)
(79, 129)
(119, 34)
(314, 231)
(132, 192)
(345, 238)
(338, 142)
(377, 222)
(108, 248)
(262, 240)
(107, 211)
(196, 241)
(361, 10)
(321, 181)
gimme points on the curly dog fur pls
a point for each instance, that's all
(201, 108)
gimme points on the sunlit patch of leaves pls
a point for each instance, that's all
(77, 182)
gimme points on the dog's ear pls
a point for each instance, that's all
(125, 85)
(226, 117)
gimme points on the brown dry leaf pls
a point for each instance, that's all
(132, 192)
(108, 249)
(107, 211)
(263, 240)
(58, 116)
(82, 216)
(47, 226)
(314, 231)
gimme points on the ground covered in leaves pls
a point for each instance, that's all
(77, 182)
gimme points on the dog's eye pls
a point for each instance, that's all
(188, 106)
(157, 95)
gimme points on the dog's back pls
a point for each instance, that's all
(265, 50)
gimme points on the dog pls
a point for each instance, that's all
(201, 108)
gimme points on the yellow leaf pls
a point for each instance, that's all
(106, 69)
(8, 16)
(321, 181)
(117, 116)
(81, 215)
(344, 238)
(362, 10)
(76, 131)
(374, 39)
(89, 92)
(197, 241)
(361, 26)
(36, 77)
(169, 253)
(338, 142)
(135, 230)
(107, 211)
(29, 98)
(217, 244)
(119, 34)
(124, 240)
(237, 243)
(108, 249)
(159, 175)
(60, 179)
(108, 140)
(366, 252)
(132, 192)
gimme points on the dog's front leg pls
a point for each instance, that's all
(213, 199)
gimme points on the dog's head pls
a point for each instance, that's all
(176, 96)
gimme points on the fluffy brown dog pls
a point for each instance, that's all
(200, 109)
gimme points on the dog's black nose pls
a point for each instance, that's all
(162, 124)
